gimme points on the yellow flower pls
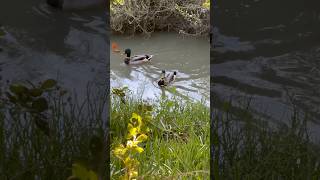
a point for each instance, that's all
(120, 151)
(132, 131)
(133, 145)
(136, 120)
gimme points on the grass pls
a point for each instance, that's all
(178, 141)
(68, 132)
(249, 148)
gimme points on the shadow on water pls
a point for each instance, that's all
(268, 50)
(43, 42)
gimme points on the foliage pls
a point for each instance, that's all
(120, 92)
(136, 135)
(178, 137)
(146, 16)
(249, 148)
(77, 132)
(32, 100)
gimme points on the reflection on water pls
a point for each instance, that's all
(188, 56)
(269, 50)
(43, 42)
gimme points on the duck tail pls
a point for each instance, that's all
(150, 57)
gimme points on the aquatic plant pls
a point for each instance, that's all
(32, 100)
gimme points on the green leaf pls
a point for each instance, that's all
(36, 92)
(138, 149)
(82, 173)
(40, 104)
(18, 89)
(142, 138)
(48, 84)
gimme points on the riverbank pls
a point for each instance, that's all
(44, 129)
(245, 147)
(178, 138)
(184, 16)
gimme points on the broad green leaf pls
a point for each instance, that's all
(18, 89)
(48, 84)
(36, 92)
(142, 137)
(138, 149)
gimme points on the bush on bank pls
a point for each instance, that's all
(190, 17)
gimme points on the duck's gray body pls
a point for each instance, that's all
(166, 80)
(76, 4)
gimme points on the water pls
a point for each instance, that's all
(43, 42)
(269, 50)
(172, 52)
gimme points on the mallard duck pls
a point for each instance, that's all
(136, 59)
(162, 80)
(166, 80)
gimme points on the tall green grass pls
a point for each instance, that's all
(178, 141)
(77, 134)
(249, 148)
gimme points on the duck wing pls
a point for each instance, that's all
(171, 78)
(141, 57)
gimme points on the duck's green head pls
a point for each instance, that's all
(127, 52)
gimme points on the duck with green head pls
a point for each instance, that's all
(167, 80)
(136, 59)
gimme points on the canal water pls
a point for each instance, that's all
(269, 52)
(188, 56)
(42, 42)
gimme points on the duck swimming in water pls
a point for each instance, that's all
(136, 59)
(167, 80)
(162, 80)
